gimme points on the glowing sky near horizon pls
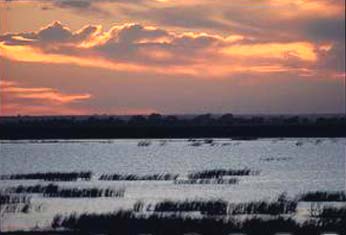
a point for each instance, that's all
(62, 57)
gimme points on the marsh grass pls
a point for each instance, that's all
(128, 222)
(331, 213)
(320, 196)
(219, 207)
(13, 203)
(8, 198)
(53, 190)
(50, 176)
(219, 173)
(265, 208)
(207, 181)
(144, 143)
(132, 177)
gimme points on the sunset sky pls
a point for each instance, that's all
(172, 56)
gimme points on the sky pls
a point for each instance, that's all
(62, 57)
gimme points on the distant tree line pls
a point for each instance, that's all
(169, 126)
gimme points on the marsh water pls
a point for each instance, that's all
(291, 165)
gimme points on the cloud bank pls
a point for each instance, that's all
(173, 56)
(137, 48)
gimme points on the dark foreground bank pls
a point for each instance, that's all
(215, 218)
(126, 223)
(157, 126)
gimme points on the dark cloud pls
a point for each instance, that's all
(325, 29)
(53, 33)
(196, 17)
(134, 42)
(332, 60)
(85, 33)
(73, 3)
(86, 5)
(136, 32)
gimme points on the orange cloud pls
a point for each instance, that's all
(294, 8)
(302, 50)
(40, 93)
(31, 54)
(34, 55)
(48, 101)
(48, 94)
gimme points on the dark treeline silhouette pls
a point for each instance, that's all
(158, 126)
(46, 232)
(53, 190)
(50, 176)
(219, 173)
(132, 177)
(127, 222)
(323, 197)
